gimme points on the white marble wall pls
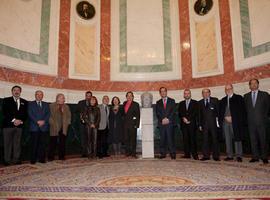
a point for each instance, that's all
(144, 47)
(73, 96)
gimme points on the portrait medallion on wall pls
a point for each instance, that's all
(85, 10)
(202, 7)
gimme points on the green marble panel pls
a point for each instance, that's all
(248, 49)
(42, 57)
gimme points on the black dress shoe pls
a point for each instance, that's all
(173, 156)
(84, 156)
(6, 163)
(265, 161)
(162, 156)
(204, 159)
(196, 158)
(228, 159)
(18, 162)
(239, 159)
(185, 156)
(216, 159)
(254, 160)
(33, 162)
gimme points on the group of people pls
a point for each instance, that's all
(100, 126)
(103, 125)
(43, 118)
(217, 119)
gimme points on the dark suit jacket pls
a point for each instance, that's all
(132, 117)
(238, 114)
(208, 115)
(192, 114)
(257, 115)
(169, 112)
(10, 112)
(81, 106)
(36, 113)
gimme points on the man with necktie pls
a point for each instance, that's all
(188, 117)
(208, 124)
(232, 119)
(14, 117)
(165, 112)
(257, 106)
(39, 114)
(103, 129)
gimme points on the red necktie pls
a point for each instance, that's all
(164, 103)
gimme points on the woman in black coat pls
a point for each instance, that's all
(115, 137)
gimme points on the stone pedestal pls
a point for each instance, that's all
(147, 131)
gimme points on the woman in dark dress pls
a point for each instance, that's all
(91, 118)
(116, 126)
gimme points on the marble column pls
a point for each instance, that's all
(147, 131)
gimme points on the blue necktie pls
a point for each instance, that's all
(187, 103)
(253, 98)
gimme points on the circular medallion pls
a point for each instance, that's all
(85, 10)
(202, 7)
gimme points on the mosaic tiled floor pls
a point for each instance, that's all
(80, 178)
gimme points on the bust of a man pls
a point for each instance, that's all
(147, 99)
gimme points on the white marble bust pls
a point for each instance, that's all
(147, 99)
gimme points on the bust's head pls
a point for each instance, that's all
(147, 99)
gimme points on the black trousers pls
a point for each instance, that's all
(38, 140)
(190, 139)
(210, 131)
(130, 140)
(59, 141)
(12, 144)
(102, 144)
(91, 138)
(83, 138)
(258, 141)
(166, 140)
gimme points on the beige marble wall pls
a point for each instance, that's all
(206, 46)
(85, 50)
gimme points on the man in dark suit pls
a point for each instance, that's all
(39, 114)
(232, 119)
(14, 117)
(188, 117)
(257, 106)
(208, 124)
(165, 111)
(131, 120)
(80, 109)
